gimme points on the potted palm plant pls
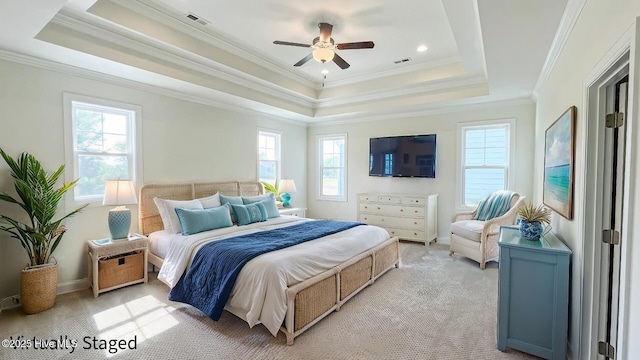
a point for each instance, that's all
(40, 235)
(532, 219)
(272, 189)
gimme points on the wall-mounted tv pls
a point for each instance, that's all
(403, 156)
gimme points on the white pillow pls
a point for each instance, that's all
(210, 201)
(167, 210)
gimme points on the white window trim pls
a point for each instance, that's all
(511, 170)
(278, 152)
(319, 195)
(70, 168)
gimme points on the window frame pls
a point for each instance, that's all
(278, 150)
(320, 167)
(462, 127)
(71, 156)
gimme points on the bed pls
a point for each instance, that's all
(365, 253)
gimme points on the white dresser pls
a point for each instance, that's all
(408, 216)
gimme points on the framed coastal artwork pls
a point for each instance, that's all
(558, 164)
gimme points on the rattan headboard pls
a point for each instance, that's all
(149, 217)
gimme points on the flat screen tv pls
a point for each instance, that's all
(403, 156)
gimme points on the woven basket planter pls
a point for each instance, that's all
(38, 288)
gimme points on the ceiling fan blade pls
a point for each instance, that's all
(304, 60)
(356, 45)
(325, 31)
(340, 61)
(277, 42)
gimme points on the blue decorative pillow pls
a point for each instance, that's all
(269, 202)
(250, 213)
(232, 200)
(194, 221)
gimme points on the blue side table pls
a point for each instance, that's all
(533, 298)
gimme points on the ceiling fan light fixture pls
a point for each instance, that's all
(323, 55)
(422, 48)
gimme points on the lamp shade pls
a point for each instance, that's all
(323, 55)
(287, 186)
(119, 192)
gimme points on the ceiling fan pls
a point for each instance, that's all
(323, 47)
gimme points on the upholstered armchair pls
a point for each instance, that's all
(478, 240)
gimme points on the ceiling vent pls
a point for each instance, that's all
(198, 19)
(402, 61)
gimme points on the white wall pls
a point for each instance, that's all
(445, 126)
(182, 141)
(600, 25)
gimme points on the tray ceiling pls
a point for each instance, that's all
(478, 51)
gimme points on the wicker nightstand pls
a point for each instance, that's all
(117, 264)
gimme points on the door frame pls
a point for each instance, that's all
(618, 61)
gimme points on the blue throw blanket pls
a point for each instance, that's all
(208, 282)
(494, 205)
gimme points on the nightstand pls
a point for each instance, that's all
(299, 212)
(117, 263)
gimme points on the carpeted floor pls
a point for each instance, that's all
(433, 307)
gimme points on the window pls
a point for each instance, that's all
(101, 144)
(268, 157)
(332, 169)
(485, 159)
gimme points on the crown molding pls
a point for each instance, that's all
(431, 110)
(457, 83)
(241, 106)
(229, 103)
(567, 22)
(167, 53)
(107, 32)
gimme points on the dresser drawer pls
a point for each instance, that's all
(407, 234)
(390, 199)
(414, 200)
(368, 197)
(388, 221)
(392, 210)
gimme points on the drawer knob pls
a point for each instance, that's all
(416, 211)
(401, 210)
(366, 207)
(378, 207)
(393, 232)
(416, 234)
(415, 223)
(365, 218)
(382, 220)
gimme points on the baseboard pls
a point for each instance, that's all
(444, 240)
(72, 286)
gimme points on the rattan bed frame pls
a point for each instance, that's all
(308, 301)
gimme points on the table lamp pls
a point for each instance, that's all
(119, 193)
(286, 186)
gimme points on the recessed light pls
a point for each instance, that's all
(422, 48)
(325, 71)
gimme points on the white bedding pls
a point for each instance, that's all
(258, 295)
